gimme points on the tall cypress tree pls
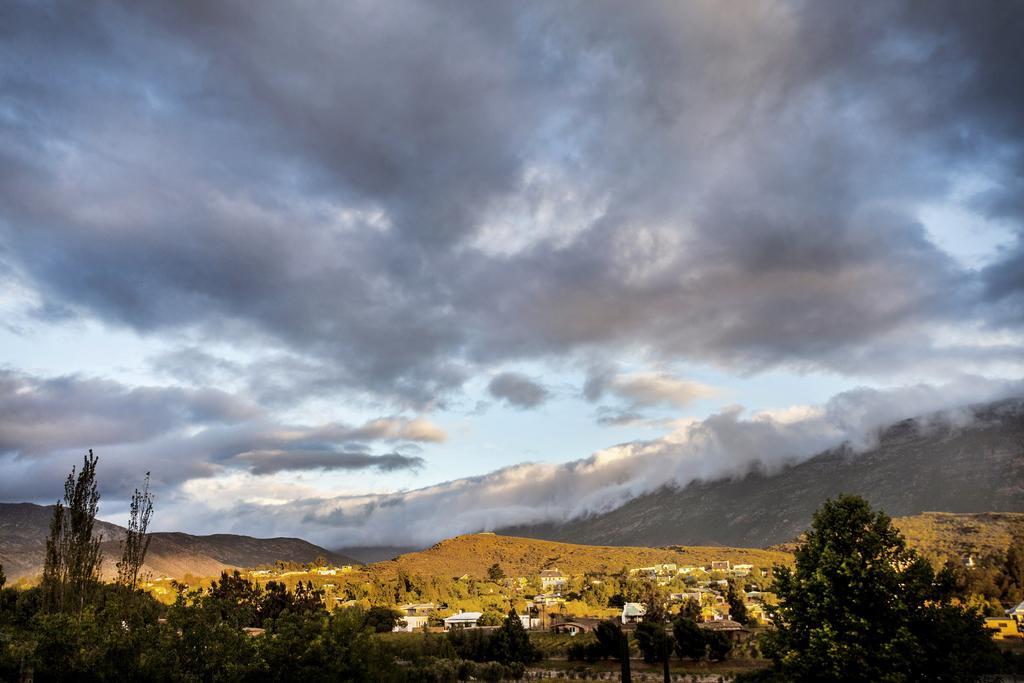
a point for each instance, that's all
(136, 541)
(73, 556)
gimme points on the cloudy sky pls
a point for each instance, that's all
(379, 273)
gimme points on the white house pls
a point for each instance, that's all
(1017, 613)
(462, 620)
(633, 613)
(410, 623)
(529, 622)
(552, 578)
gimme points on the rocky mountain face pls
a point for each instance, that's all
(917, 466)
(24, 527)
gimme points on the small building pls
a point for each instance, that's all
(552, 578)
(411, 623)
(573, 628)
(417, 608)
(529, 621)
(547, 599)
(742, 569)
(462, 620)
(735, 630)
(1002, 628)
(683, 597)
(633, 613)
(720, 565)
(1017, 613)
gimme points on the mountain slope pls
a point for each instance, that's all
(977, 468)
(473, 554)
(949, 535)
(24, 527)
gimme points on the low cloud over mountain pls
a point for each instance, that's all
(727, 444)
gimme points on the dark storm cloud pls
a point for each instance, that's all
(39, 415)
(345, 185)
(518, 390)
(269, 462)
(179, 434)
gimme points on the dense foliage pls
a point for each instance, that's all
(860, 606)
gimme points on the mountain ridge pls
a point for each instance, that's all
(25, 526)
(916, 466)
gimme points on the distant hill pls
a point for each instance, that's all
(24, 527)
(473, 554)
(977, 468)
(948, 535)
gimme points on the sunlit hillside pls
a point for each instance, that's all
(473, 554)
(946, 534)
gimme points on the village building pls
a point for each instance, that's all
(417, 608)
(462, 620)
(411, 623)
(1017, 613)
(720, 565)
(735, 630)
(547, 599)
(742, 569)
(1003, 628)
(552, 578)
(529, 621)
(572, 628)
(683, 597)
(633, 613)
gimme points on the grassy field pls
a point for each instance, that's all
(473, 554)
(554, 647)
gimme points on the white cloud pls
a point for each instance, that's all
(725, 444)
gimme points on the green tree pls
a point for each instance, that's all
(719, 645)
(691, 642)
(1012, 582)
(652, 596)
(490, 617)
(737, 602)
(3, 577)
(382, 619)
(137, 538)
(511, 643)
(860, 606)
(609, 639)
(73, 557)
(495, 572)
(235, 599)
(655, 644)
(690, 609)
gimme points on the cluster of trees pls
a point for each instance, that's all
(995, 583)
(656, 641)
(858, 605)
(74, 626)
